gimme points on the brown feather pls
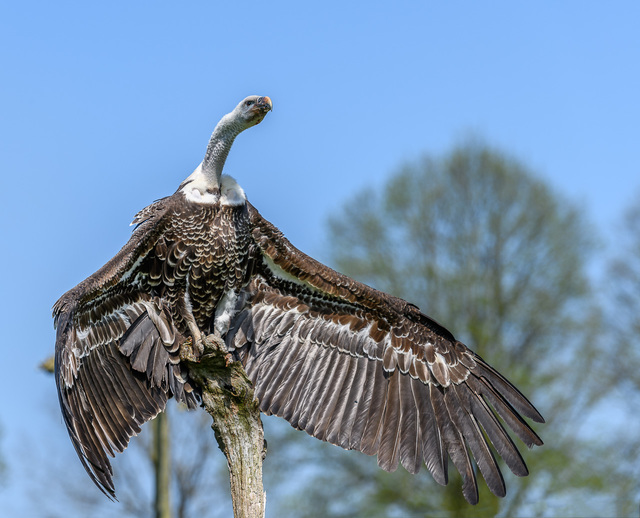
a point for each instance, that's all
(409, 432)
(388, 450)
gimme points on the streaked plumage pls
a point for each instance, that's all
(334, 357)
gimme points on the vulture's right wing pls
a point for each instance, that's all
(116, 358)
(367, 371)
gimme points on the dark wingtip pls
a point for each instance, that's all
(537, 417)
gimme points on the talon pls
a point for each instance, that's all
(217, 342)
(186, 351)
(198, 347)
(191, 351)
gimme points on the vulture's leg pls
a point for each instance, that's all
(196, 336)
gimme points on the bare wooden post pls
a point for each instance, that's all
(227, 395)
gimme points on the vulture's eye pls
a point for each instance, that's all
(248, 103)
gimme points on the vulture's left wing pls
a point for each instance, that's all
(367, 371)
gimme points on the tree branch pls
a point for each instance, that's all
(227, 396)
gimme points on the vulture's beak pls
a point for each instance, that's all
(260, 108)
(264, 104)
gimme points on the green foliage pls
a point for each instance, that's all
(624, 279)
(623, 368)
(481, 244)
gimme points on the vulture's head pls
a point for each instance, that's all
(248, 113)
(252, 110)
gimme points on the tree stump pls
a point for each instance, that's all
(227, 396)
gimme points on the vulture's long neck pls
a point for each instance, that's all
(219, 145)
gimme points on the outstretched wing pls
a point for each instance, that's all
(116, 353)
(370, 372)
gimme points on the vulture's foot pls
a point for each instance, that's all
(215, 342)
(191, 350)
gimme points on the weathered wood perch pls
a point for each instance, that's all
(227, 396)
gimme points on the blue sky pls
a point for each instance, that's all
(107, 107)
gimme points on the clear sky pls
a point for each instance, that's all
(109, 106)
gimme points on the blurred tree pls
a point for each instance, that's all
(623, 281)
(480, 244)
(624, 277)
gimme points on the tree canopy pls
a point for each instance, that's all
(622, 281)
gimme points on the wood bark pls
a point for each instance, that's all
(227, 396)
(162, 466)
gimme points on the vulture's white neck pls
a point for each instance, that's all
(207, 185)
(219, 145)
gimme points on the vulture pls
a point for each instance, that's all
(348, 364)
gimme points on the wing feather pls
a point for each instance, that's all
(410, 433)
(326, 395)
(360, 401)
(390, 429)
(341, 420)
(115, 354)
(278, 365)
(368, 371)
(476, 442)
(376, 400)
(455, 444)
(334, 395)
(434, 454)
(310, 390)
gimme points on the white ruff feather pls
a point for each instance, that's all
(197, 188)
(230, 192)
